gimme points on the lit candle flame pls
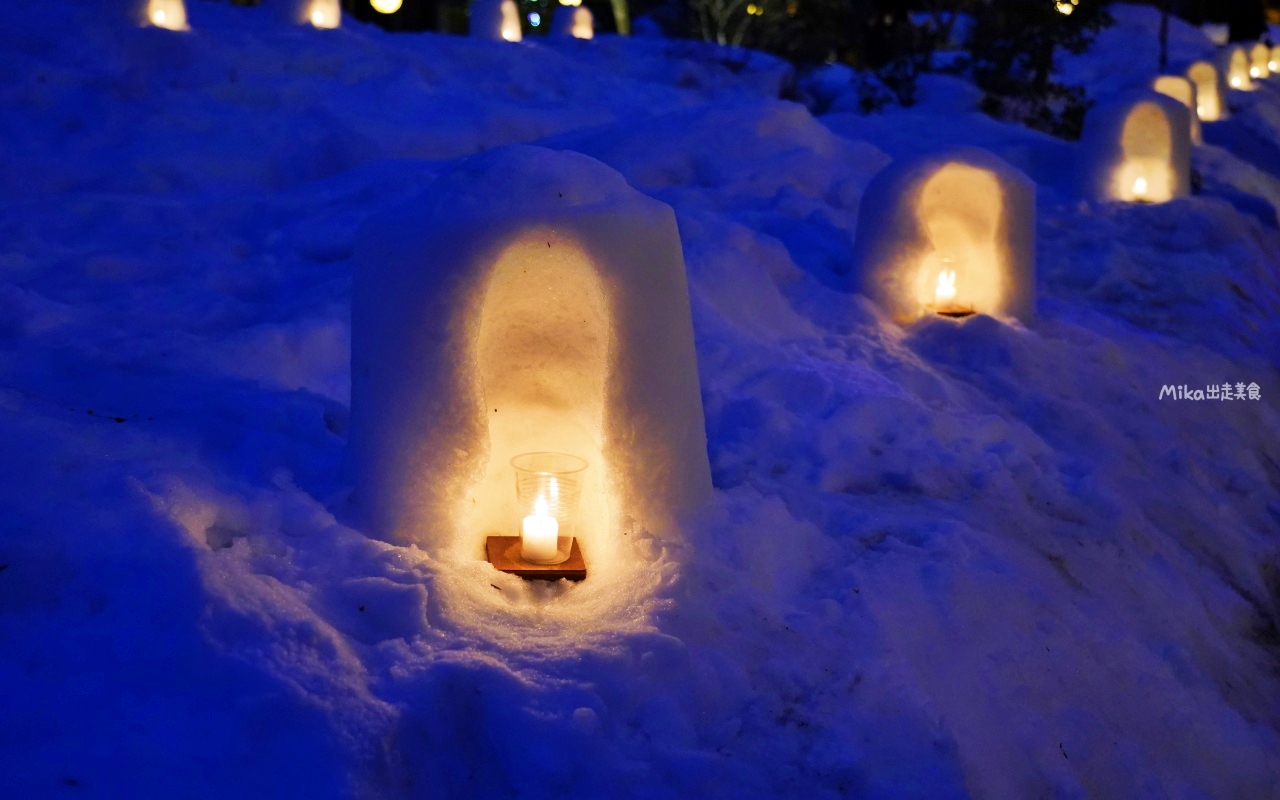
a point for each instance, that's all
(946, 291)
(1140, 187)
(317, 18)
(158, 17)
(385, 6)
(540, 507)
(1271, 65)
(1235, 82)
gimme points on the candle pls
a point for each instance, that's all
(540, 535)
(945, 294)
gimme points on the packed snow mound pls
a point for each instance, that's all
(941, 560)
(269, 104)
(529, 301)
(950, 232)
(1126, 55)
(1136, 148)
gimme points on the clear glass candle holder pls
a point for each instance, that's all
(548, 486)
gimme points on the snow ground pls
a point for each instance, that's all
(949, 560)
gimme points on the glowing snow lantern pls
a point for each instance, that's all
(1065, 7)
(1210, 90)
(1259, 60)
(1184, 91)
(525, 323)
(498, 20)
(169, 14)
(575, 21)
(1136, 149)
(950, 233)
(325, 14)
(1273, 59)
(1235, 63)
(386, 6)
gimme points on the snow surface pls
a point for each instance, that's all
(944, 560)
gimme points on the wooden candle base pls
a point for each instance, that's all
(504, 555)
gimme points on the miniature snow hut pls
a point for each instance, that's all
(1136, 149)
(1184, 91)
(1234, 63)
(528, 302)
(1259, 61)
(573, 20)
(498, 20)
(169, 14)
(951, 233)
(325, 14)
(1210, 90)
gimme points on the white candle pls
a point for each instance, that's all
(539, 535)
(945, 293)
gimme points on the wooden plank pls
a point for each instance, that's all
(504, 555)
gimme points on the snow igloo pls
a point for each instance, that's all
(573, 19)
(325, 14)
(1235, 64)
(1136, 149)
(168, 14)
(1184, 91)
(949, 233)
(1211, 88)
(498, 20)
(529, 302)
(1259, 61)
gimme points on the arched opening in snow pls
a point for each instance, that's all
(1259, 61)
(950, 233)
(960, 209)
(543, 359)
(1208, 83)
(1236, 65)
(1136, 149)
(1184, 91)
(168, 14)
